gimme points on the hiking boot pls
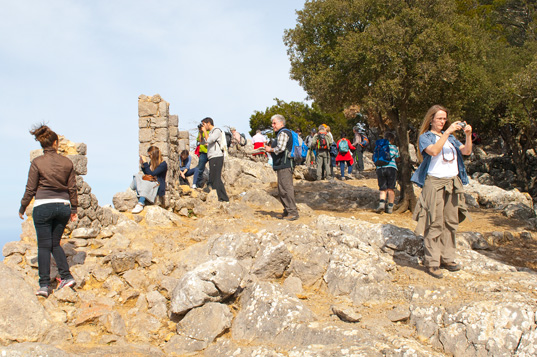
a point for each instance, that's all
(66, 283)
(451, 266)
(138, 208)
(381, 207)
(194, 186)
(435, 272)
(284, 214)
(207, 189)
(291, 218)
(389, 209)
(342, 178)
(44, 291)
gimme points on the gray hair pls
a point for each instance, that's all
(279, 118)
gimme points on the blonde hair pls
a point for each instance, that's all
(426, 124)
(154, 156)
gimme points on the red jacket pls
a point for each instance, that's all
(347, 156)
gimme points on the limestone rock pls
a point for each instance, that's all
(266, 311)
(125, 201)
(22, 317)
(272, 261)
(346, 314)
(85, 233)
(158, 216)
(199, 328)
(32, 349)
(212, 281)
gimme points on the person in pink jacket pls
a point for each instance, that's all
(344, 155)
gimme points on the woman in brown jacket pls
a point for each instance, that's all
(52, 182)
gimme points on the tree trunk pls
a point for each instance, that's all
(408, 197)
(518, 155)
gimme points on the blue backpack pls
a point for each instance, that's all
(297, 150)
(343, 146)
(381, 154)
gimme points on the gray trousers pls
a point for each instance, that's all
(439, 238)
(323, 164)
(286, 191)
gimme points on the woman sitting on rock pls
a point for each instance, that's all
(442, 175)
(52, 181)
(185, 170)
(152, 182)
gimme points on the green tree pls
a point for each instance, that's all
(298, 115)
(394, 58)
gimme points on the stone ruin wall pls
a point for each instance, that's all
(157, 127)
(91, 217)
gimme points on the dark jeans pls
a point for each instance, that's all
(201, 167)
(50, 220)
(188, 173)
(215, 177)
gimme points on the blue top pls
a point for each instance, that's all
(186, 165)
(394, 154)
(426, 139)
(160, 173)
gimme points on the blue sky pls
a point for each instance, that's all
(81, 65)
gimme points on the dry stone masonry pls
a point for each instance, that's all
(157, 127)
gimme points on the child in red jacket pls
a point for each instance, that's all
(344, 155)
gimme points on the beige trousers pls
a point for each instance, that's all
(439, 238)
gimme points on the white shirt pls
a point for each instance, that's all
(445, 163)
(259, 138)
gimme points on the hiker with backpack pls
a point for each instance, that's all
(279, 150)
(216, 146)
(344, 155)
(385, 156)
(321, 142)
(360, 142)
(312, 154)
(441, 206)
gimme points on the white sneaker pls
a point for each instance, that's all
(138, 208)
(194, 186)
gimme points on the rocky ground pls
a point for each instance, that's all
(232, 279)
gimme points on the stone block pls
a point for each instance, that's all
(164, 108)
(159, 122)
(164, 149)
(156, 98)
(161, 134)
(145, 135)
(183, 145)
(80, 163)
(173, 120)
(147, 108)
(184, 135)
(143, 148)
(174, 133)
(144, 122)
(81, 148)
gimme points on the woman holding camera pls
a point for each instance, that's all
(52, 181)
(442, 175)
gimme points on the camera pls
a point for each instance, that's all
(199, 126)
(462, 124)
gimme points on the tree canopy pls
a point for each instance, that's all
(397, 58)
